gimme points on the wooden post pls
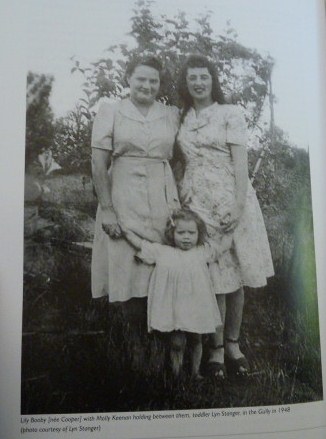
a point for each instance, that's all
(271, 128)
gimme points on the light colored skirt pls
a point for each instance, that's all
(143, 196)
(210, 191)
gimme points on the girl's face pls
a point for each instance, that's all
(185, 234)
(199, 83)
(144, 85)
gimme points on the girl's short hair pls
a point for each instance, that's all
(185, 215)
(194, 61)
(146, 60)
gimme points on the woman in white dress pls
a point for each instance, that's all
(213, 139)
(132, 142)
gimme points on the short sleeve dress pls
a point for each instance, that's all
(143, 192)
(181, 295)
(208, 188)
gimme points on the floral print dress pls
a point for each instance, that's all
(208, 188)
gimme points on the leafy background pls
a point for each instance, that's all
(75, 350)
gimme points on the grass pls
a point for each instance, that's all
(75, 351)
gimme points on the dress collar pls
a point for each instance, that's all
(128, 109)
(194, 121)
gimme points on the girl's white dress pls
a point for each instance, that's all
(208, 188)
(180, 295)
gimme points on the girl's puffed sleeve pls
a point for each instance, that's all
(236, 127)
(149, 252)
(102, 132)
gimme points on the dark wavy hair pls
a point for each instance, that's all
(146, 60)
(194, 61)
(185, 215)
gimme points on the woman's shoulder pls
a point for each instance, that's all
(106, 104)
(232, 110)
(107, 108)
(167, 110)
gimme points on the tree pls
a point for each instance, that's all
(282, 183)
(71, 143)
(39, 116)
(244, 74)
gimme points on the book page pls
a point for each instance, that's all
(66, 359)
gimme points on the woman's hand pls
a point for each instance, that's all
(110, 223)
(231, 219)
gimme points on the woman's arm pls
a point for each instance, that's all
(177, 163)
(240, 163)
(134, 240)
(101, 160)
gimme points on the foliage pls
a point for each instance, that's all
(71, 143)
(282, 184)
(284, 171)
(39, 116)
(62, 327)
(244, 74)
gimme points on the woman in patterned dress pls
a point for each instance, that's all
(132, 141)
(213, 139)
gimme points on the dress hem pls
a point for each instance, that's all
(98, 296)
(183, 329)
(245, 284)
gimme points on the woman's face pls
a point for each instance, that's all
(185, 234)
(199, 83)
(144, 85)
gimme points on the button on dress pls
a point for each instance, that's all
(143, 192)
(208, 188)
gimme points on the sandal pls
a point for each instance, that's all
(237, 366)
(215, 369)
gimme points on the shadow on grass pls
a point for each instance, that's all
(75, 356)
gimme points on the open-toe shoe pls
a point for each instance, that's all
(237, 366)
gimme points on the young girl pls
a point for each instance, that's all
(180, 297)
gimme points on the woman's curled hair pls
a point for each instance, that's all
(198, 61)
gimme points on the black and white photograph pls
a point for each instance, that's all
(169, 253)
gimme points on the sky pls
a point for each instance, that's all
(285, 29)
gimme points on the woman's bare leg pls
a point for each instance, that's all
(215, 365)
(216, 340)
(233, 320)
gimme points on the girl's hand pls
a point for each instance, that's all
(110, 224)
(231, 219)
